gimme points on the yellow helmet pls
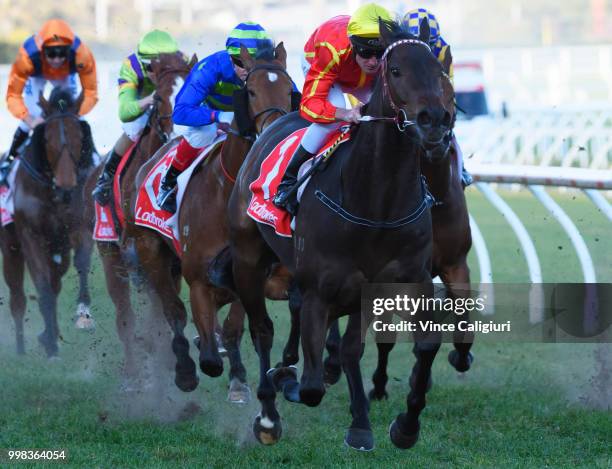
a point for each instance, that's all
(364, 22)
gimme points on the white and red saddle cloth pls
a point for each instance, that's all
(148, 212)
(273, 167)
(110, 215)
(7, 201)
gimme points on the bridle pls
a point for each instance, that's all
(269, 112)
(401, 117)
(155, 118)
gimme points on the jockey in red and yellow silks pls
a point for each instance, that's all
(54, 55)
(341, 56)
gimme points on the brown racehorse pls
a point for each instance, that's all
(49, 208)
(452, 241)
(203, 232)
(168, 73)
(364, 219)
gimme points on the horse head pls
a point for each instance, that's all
(168, 73)
(417, 87)
(62, 136)
(268, 90)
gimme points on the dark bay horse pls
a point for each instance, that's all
(379, 230)
(452, 241)
(203, 230)
(168, 73)
(49, 212)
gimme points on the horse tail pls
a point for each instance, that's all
(220, 270)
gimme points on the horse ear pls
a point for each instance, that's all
(281, 54)
(44, 104)
(424, 31)
(246, 58)
(193, 61)
(447, 61)
(384, 27)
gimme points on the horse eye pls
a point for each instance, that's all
(395, 71)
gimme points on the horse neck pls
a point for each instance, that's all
(232, 154)
(439, 176)
(381, 176)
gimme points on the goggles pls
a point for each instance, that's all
(56, 52)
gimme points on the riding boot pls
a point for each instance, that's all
(466, 177)
(166, 199)
(103, 190)
(286, 194)
(5, 167)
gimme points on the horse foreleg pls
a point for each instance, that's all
(204, 311)
(13, 269)
(291, 351)
(250, 280)
(333, 368)
(380, 377)
(359, 435)
(233, 328)
(157, 263)
(457, 281)
(404, 430)
(118, 286)
(82, 263)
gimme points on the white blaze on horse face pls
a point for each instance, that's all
(272, 76)
(178, 84)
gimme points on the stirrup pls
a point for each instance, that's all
(102, 192)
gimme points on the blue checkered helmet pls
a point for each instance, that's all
(413, 20)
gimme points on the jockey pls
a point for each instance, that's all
(341, 56)
(56, 55)
(204, 105)
(136, 92)
(439, 48)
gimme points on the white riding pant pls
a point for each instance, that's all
(199, 137)
(317, 134)
(35, 85)
(134, 128)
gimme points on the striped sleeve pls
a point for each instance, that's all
(128, 92)
(323, 73)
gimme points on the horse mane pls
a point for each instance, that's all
(61, 99)
(397, 30)
(266, 52)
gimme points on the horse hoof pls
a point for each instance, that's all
(359, 439)
(459, 364)
(220, 347)
(83, 318)
(429, 383)
(239, 392)
(375, 395)
(212, 368)
(284, 378)
(50, 346)
(266, 431)
(186, 383)
(331, 374)
(400, 439)
(312, 397)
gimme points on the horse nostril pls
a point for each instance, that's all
(424, 119)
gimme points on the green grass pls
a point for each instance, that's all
(520, 405)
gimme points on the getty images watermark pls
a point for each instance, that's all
(487, 312)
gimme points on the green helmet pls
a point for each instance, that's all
(156, 42)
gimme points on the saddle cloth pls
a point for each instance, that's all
(271, 172)
(148, 212)
(7, 201)
(110, 218)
